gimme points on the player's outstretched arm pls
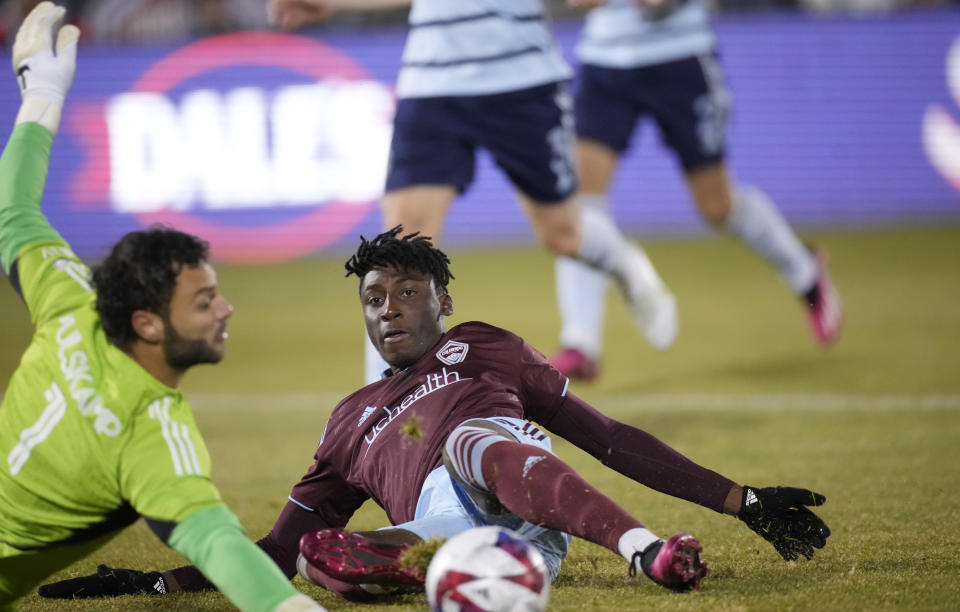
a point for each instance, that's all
(780, 515)
(638, 455)
(44, 71)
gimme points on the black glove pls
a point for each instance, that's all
(779, 516)
(107, 582)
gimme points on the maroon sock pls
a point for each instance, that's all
(543, 490)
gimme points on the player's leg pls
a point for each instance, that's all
(530, 134)
(429, 165)
(530, 482)
(751, 216)
(607, 107)
(418, 208)
(581, 290)
(693, 118)
(590, 236)
(605, 123)
(597, 162)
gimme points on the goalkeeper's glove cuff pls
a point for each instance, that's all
(39, 110)
(52, 87)
(47, 76)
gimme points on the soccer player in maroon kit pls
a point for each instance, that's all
(446, 441)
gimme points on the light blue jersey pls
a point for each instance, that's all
(478, 47)
(621, 34)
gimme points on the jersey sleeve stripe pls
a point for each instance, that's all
(156, 412)
(181, 445)
(191, 455)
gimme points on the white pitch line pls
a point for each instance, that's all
(687, 402)
(783, 403)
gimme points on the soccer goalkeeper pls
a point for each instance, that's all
(93, 430)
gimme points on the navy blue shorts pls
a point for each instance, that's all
(686, 98)
(528, 132)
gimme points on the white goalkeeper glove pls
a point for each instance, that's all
(44, 74)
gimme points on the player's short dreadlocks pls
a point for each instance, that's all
(410, 252)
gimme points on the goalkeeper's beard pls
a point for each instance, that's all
(181, 353)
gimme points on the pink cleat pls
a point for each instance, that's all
(675, 564)
(574, 364)
(824, 307)
(344, 556)
(346, 590)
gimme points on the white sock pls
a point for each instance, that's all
(635, 540)
(374, 365)
(605, 248)
(581, 295)
(756, 222)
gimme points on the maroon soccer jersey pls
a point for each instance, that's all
(382, 441)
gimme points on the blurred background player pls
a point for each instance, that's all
(658, 58)
(446, 442)
(93, 431)
(487, 74)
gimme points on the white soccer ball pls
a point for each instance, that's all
(488, 569)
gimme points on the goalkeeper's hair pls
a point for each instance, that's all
(409, 252)
(140, 273)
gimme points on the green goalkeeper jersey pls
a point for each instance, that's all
(89, 440)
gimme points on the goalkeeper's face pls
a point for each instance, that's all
(195, 328)
(404, 313)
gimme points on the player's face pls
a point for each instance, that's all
(403, 313)
(195, 330)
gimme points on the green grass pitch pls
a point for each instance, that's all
(873, 423)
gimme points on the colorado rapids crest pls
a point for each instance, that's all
(453, 352)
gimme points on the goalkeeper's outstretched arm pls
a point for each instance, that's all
(44, 59)
(44, 69)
